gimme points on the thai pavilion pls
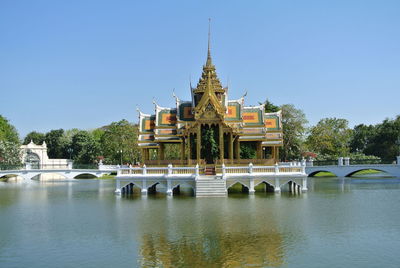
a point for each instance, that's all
(210, 128)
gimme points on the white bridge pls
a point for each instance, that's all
(27, 173)
(249, 177)
(345, 169)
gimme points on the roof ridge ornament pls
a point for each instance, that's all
(208, 62)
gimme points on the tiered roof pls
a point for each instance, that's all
(250, 123)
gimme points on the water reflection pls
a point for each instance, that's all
(223, 250)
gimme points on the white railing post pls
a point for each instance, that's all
(303, 166)
(119, 171)
(311, 162)
(144, 170)
(398, 160)
(118, 186)
(276, 169)
(144, 187)
(223, 170)
(197, 170)
(251, 168)
(169, 187)
(340, 161)
(169, 169)
(69, 165)
(347, 161)
(304, 185)
(277, 187)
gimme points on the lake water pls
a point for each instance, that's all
(338, 223)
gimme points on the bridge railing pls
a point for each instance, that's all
(169, 170)
(250, 169)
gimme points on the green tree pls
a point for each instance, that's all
(36, 137)
(209, 145)
(8, 131)
(10, 152)
(294, 128)
(361, 138)
(120, 136)
(385, 142)
(331, 137)
(270, 107)
(55, 144)
(248, 150)
(85, 148)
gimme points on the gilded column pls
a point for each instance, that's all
(230, 146)
(161, 152)
(237, 147)
(198, 145)
(189, 156)
(183, 149)
(259, 150)
(221, 143)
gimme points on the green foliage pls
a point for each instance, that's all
(56, 146)
(361, 138)
(209, 145)
(85, 148)
(385, 142)
(294, 127)
(36, 137)
(10, 153)
(172, 151)
(8, 131)
(118, 136)
(270, 107)
(331, 136)
(248, 150)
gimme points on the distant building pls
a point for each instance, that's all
(35, 156)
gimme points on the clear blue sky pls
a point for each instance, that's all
(84, 64)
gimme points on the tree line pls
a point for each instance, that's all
(117, 142)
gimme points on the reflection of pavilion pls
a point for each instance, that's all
(205, 234)
(226, 250)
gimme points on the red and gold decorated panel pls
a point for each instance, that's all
(167, 118)
(233, 112)
(252, 117)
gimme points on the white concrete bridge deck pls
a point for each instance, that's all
(249, 176)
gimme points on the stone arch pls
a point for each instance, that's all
(85, 173)
(245, 188)
(360, 169)
(32, 175)
(312, 174)
(11, 175)
(130, 182)
(230, 184)
(269, 185)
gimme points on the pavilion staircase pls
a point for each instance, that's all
(209, 184)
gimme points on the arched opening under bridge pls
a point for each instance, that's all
(237, 187)
(369, 173)
(85, 176)
(322, 174)
(264, 187)
(11, 178)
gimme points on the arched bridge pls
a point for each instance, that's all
(349, 170)
(67, 173)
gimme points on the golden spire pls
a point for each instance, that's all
(208, 62)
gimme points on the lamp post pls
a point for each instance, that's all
(120, 152)
(70, 150)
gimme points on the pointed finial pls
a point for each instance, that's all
(208, 63)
